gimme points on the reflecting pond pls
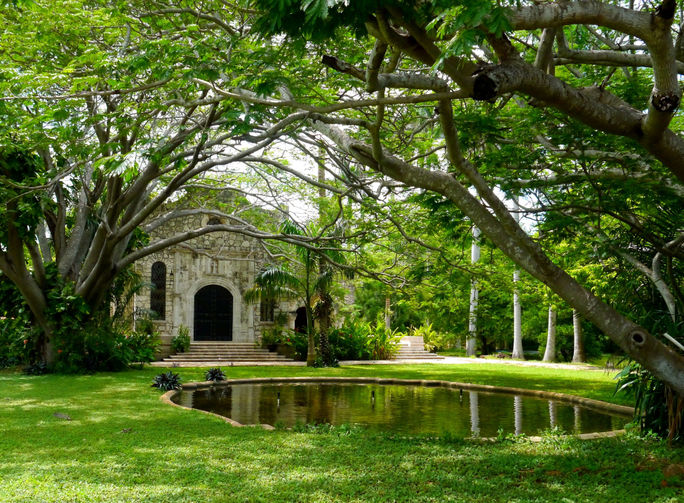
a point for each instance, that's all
(400, 408)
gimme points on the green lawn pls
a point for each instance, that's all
(174, 455)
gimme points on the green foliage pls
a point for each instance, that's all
(657, 408)
(432, 339)
(17, 340)
(298, 341)
(181, 341)
(167, 381)
(271, 336)
(349, 342)
(143, 345)
(359, 340)
(214, 374)
(36, 369)
(383, 343)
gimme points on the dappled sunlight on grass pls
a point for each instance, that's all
(123, 444)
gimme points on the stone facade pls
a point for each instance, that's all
(226, 260)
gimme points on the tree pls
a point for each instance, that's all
(102, 126)
(303, 280)
(494, 53)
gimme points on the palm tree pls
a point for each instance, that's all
(306, 280)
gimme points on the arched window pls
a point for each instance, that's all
(158, 291)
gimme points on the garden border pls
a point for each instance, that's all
(585, 402)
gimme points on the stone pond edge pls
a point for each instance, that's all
(573, 399)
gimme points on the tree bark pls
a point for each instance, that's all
(550, 351)
(388, 313)
(517, 310)
(578, 355)
(474, 293)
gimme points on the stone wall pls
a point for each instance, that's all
(229, 260)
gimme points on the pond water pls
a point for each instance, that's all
(400, 408)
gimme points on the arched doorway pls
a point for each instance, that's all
(213, 314)
(300, 323)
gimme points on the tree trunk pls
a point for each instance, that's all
(517, 320)
(550, 353)
(472, 319)
(388, 313)
(311, 343)
(578, 355)
(517, 314)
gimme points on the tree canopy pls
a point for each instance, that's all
(572, 107)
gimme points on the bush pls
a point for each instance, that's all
(143, 346)
(383, 343)
(36, 369)
(214, 374)
(298, 341)
(16, 342)
(272, 336)
(657, 408)
(433, 340)
(167, 381)
(181, 342)
(358, 340)
(350, 341)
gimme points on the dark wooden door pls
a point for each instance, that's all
(213, 314)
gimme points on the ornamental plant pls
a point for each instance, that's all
(167, 381)
(214, 374)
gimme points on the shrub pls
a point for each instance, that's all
(383, 343)
(657, 408)
(433, 340)
(16, 342)
(143, 346)
(272, 336)
(358, 340)
(214, 374)
(181, 342)
(349, 342)
(298, 341)
(36, 369)
(167, 381)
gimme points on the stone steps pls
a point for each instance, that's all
(204, 353)
(413, 348)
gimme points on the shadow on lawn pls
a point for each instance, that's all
(176, 455)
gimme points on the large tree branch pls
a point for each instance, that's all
(633, 339)
(588, 12)
(593, 106)
(608, 58)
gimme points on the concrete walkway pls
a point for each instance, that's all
(447, 360)
(458, 360)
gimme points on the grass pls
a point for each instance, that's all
(123, 444)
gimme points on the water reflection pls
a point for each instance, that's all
(474, 413)
(517, 411)
(409, 409)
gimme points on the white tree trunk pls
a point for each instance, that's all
(388, 313)
(517, 311)
(578, 355)
(472, 319)
(517, 319)
(550, 353)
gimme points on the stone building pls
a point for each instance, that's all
(200, 284)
